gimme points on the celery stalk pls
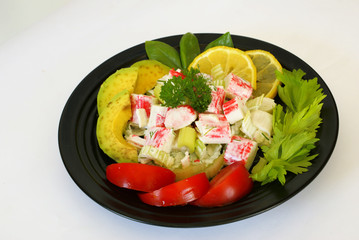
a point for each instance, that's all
(217, 72)
(200, 148)
(218, 83)
(187, 138)
(258, 167)
(160, 157)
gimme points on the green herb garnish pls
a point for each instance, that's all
(294, 128)
(190, 88)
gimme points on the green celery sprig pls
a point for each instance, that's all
(298, 93)
(294, 130)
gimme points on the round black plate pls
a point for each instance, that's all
(86, 163)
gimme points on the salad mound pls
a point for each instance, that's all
(194, 122)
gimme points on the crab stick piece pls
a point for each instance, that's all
(237, 87)
(172, 73)
(180, 117)
(157, 146)
(211, 117)
(217, 101)
(161, 138)
(141, 108)
(212, 131)
(234, 110)
(240, 149)
(136, 140)
(157, 116)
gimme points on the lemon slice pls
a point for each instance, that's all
(232, 60)
(266, 65)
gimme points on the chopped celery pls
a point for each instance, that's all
(217, 72)
(200, 148)
(248, 127)
(255, 103)
(262, 138)
(187, 138)
(262, 121)
(218, 83)
(268, 105)
(261, 103)
(236, 128)
(160, 157)
(177, 156)
(213, 151)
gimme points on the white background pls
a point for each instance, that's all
(48, 47)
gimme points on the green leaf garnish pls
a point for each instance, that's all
(190, 89)
(294, 129)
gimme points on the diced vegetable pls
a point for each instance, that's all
(263, 121)
(197, 166)
(200, 148)
(185, 161)
(261, 103)
(248, 127)
(160, 157)
(213, 151)
(255, 103)
(218, 74)
(187, 138)
(268, 105)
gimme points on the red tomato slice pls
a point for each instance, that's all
(228, 186)
(178, 193)
(137, 176)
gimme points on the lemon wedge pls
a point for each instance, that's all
(232, 60)
(266, 65)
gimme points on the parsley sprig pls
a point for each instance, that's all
(189, 88)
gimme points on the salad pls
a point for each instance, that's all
(184, 136)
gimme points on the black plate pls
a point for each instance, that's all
(86, 163)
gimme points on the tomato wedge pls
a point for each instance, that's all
(138, 176)
(178, 193)
(228, 186)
